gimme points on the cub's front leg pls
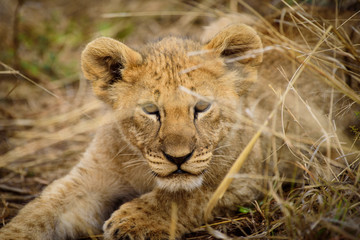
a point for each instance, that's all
(149, 217)
(73, 206)
(79, 203)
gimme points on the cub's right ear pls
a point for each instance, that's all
(102, 62)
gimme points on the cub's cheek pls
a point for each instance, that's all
(141, 132)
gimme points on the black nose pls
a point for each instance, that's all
(178, 160)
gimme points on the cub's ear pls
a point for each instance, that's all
(102, 62)
(237, 43)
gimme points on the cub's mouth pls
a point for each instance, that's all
(180, 180)
(179, 173)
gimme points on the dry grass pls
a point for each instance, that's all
(318, 208)
(46, 125)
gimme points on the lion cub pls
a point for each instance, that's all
(181, 117)
(174, 135)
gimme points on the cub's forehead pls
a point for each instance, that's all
(173, 62)
(170, 49)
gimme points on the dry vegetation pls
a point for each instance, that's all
(48, 115)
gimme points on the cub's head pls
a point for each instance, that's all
(176, 100)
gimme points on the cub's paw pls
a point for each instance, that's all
(135, 223)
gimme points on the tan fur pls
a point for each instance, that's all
(130, 169)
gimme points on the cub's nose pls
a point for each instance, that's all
(178, 160)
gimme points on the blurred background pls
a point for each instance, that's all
(43, 38)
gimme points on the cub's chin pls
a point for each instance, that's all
(179, 181)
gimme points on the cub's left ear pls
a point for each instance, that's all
(102, 62)
(237, 43)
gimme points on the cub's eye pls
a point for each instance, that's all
(202, 106)
(150, 109)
